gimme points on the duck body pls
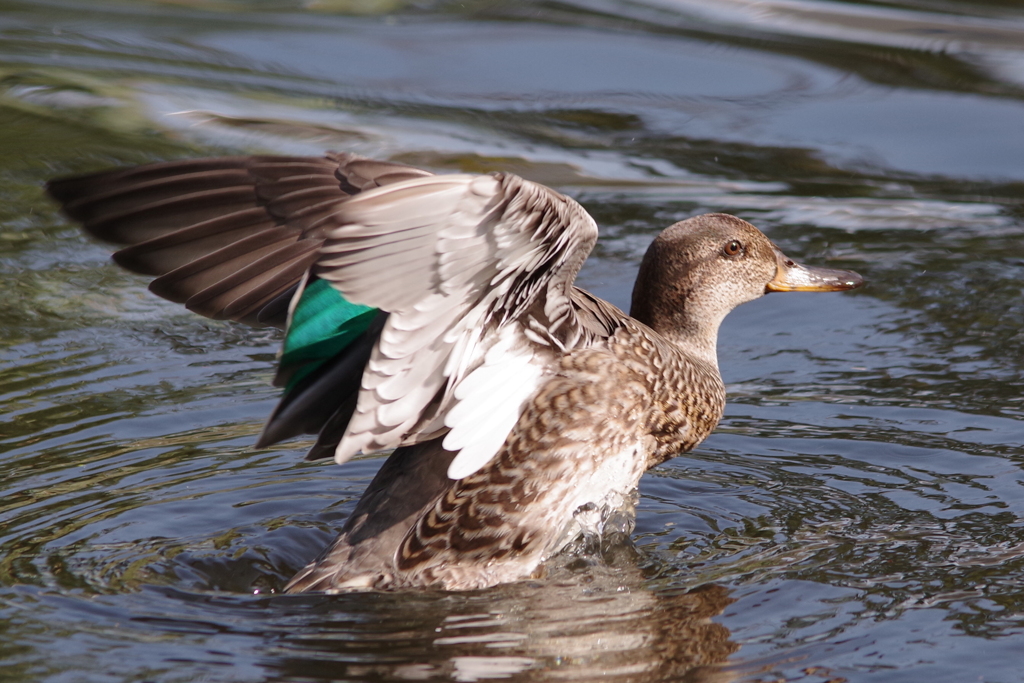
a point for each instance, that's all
(600, 419)
(437, 316)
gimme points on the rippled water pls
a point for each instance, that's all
(857, 516)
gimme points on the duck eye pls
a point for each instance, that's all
(733, 248)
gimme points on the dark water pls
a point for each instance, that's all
(857, 516)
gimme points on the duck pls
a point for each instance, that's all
(435, 317)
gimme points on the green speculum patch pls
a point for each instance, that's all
(322, 326)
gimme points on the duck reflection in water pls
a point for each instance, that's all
(436, 315)
(603, 621)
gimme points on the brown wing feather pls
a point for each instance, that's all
(226, 236)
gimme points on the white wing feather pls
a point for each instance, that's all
(488, 403)
(456, 260)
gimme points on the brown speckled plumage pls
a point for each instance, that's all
(517, 403)
(638, 394)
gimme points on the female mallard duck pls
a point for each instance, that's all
(436, 315)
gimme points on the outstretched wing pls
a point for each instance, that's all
(472, 276)
(229, 237)
(476, 273)
(233, 238)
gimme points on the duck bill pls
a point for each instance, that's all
(791, 276)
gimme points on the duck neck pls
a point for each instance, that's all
(694, 335)
(663, 300)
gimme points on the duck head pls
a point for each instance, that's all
(698, 270)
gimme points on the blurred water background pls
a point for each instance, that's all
(856, 517)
